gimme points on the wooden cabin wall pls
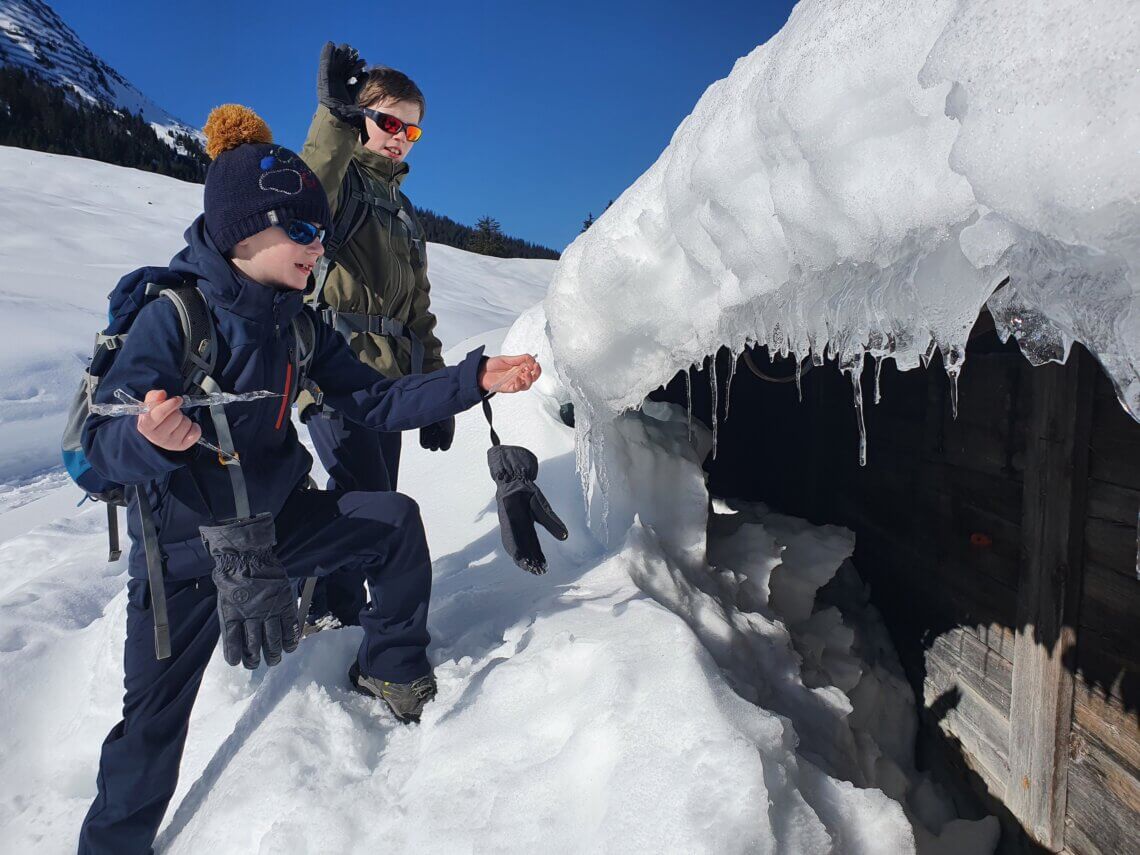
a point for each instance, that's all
(1103, 809)
(940, 515)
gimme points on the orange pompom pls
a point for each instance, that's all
(231, 125)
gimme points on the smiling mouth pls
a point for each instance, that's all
(392, 152)
(308, 268)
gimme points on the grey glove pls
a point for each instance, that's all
(521, 505)
(257, 607)
(338, 64)
(438, 437)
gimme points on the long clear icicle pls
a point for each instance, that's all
(878, 374)
(689, 400)
(728, 384)
(857, 387)
(713, 390)
(130, 406)
(799, 376)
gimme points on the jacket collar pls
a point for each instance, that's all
(223, 286)
(380, 167)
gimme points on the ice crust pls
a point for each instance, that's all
(861, 184)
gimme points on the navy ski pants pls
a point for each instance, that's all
(379, 534)
(356, 458)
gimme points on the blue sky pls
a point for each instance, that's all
(536, 112)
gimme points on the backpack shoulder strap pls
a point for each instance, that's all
(199, 339)
(351, 212)
(305, 332)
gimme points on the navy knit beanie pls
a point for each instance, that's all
(250, 176)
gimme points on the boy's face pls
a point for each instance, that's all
(271, 258)
(395, 147)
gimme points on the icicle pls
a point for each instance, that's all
(857, 387)
(799, 378)
(952, 360)
(878, 371)
(713, 390)
(582, 457)
(689, 398)
(1138, 545)
(728, 384)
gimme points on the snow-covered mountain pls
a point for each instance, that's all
(34, 37)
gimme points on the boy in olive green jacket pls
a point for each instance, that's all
(377, 292)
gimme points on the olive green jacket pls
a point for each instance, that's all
(374, 273)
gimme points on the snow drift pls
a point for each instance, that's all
(861, 184)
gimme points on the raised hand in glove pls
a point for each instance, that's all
(521, 505)
(257, 607)
(438, 437)
(339, 64)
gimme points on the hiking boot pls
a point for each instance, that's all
(405, 700)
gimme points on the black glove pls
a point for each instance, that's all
(257, 606)
(521, 505)
(438, 437)
(338, 64)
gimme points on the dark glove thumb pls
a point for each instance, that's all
(544, 515)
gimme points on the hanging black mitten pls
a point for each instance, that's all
(521, 503)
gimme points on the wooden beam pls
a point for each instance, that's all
(1049, 587)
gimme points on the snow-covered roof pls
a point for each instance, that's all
(861, 184)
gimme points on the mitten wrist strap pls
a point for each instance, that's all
(490, 423)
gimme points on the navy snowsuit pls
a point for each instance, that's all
(378, 533)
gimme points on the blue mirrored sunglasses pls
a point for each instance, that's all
(298, 231)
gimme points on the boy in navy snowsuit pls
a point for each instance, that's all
(250, 255)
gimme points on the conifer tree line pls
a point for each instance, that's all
(39, 115)
(486, 237)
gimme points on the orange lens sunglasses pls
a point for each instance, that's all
(391, 125)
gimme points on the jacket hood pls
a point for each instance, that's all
(224, 286)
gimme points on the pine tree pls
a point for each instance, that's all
(589, 221)
(488, 238)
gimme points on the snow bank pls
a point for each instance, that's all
(861, 184)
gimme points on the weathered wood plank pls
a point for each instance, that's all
(968, 656)
(1106, 662)
(1111, 544)
(1110, 605)
(1056, 476)
(1113, 502)
(1115, 445)
(1106, 719)
(1104, 801)
(963, 714)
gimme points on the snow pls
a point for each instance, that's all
(680, 684)
(862, 183)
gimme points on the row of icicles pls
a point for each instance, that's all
(952, 364)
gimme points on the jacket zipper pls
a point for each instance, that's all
(288, 389)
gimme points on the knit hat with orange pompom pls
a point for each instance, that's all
(251, 178)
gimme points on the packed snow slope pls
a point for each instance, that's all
(637, 699)
(862, 183)
(34, 37)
